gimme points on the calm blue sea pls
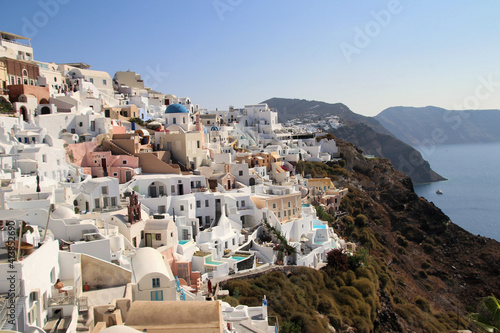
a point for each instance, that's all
(471, 195)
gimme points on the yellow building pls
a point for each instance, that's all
(321, 184)
(286, 207)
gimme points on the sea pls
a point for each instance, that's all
(471, 195)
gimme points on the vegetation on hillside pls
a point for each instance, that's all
(5, 106)
(358, 290)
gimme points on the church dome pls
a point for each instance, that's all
(176, 108)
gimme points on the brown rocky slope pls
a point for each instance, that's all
(430, 256)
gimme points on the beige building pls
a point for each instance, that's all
(185, 147)
(129, 79)
(286, 207)
(196, 316)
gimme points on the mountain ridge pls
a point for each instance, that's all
(364, 132)
(431, 125)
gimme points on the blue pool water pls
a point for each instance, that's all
(238, 258)
(210, 262)
(305, 205)
(182, 242)
(321, 226)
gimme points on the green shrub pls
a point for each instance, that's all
(428, 248)
(231, 301)
(423, 304)
(422, 274)
(361, 220)
(365, 287)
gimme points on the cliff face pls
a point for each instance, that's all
(430, 256)
(419, 272)
(404, 157)
(433, 126)
(365, 132)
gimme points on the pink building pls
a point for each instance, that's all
(103, 163)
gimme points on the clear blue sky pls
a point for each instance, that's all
(236, 52)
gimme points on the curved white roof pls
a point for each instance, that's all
(146, 261)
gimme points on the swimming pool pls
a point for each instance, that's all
(182, 242)
(238, 258)
(210, 262)
(321, 226)
(305, 205)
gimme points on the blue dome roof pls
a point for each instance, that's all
(214, 128)
(176, 108)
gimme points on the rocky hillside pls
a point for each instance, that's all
(414, 270)
(365, 132)
(431, 125)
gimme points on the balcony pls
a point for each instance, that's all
(61, 300)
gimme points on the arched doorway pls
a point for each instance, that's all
(24, 113)
(252, 181)
(45, 110)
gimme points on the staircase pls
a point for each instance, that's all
(6, 326)
(84, 318)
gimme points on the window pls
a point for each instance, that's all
(18, 80)
(104, 82)
(288, 204)
(73, 131)
(32, 82)
(124, 162)
(198, 144)
(279, 215)
(142, 234)
(97, 204)
(104, 190)
(206, 203)
(284, 213)
(80, 124)
(172, 234)
(240, 173)
(53, 275)
(92, 125)
(198, 203)
(174, 120)
(274, 206)
(115, 174)
(113, 201)
(183, 120)
(234, 242)
(91, 80)
(242, 203)
(12, 79)
(156, 282)
(182, 208)
(172, 189)
(58, 162)
(158, 237)
(207, 220)
(44, 158)
(25, 72)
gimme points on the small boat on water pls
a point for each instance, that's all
(439, 192)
